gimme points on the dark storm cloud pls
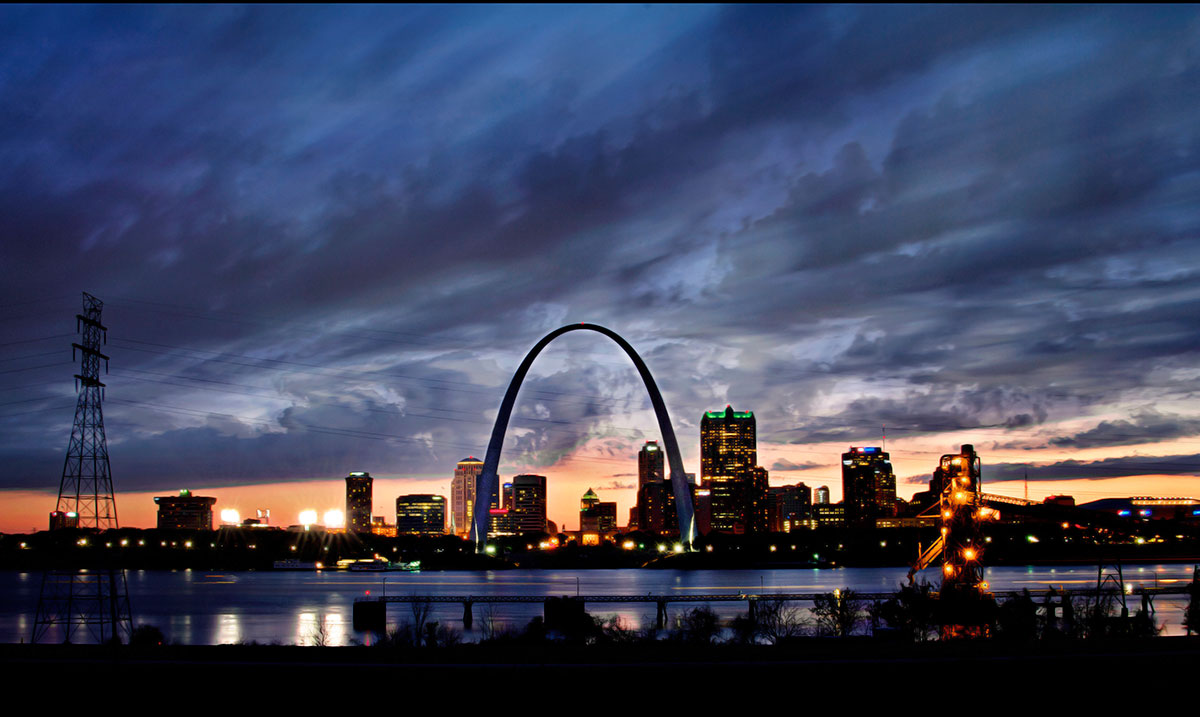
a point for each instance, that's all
(1147, 427)
(933, 218)
(1186, 465)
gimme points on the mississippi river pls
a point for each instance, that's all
(199, 607)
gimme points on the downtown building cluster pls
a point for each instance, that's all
(734, 495)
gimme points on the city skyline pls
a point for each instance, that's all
(955, 225)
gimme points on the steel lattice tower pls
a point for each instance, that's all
(92, 600)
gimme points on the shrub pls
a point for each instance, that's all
(838, 614)
(147, 636)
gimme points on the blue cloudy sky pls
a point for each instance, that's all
(325, 237)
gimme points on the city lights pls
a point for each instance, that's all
(308, 517)
(335, 519)
(230, 516)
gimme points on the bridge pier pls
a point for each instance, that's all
(661, 617)
(468, 618)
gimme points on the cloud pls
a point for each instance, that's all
(1187, 464)
(618, 485)
(784, 464)
(934, 219)
(1146, 427)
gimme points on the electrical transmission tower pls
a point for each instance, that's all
(86, 602)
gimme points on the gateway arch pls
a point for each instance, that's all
(488, 481)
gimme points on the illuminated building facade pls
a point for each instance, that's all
(379, 526)
(728, 456)
(652, 489)
(821, 497)
(63, 519)
(763, 515)
(462, 495)
(830, 515)
(650, 465)
(421, 514)
(358, 502)
(527, 506)
(185, 511)
(868, 485)
(795, 507)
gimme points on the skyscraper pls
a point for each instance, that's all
(653, 489)
(822, 496)
(358, 502)
(527, 510)
(868, 485)
(596, 516)
(650, 464)
(462, 495)
(795, 506)
(728, 456)
(421, 514)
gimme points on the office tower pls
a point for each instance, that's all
(527, 506)
(702, 502)
(588, 501)
(822, 496)
(650, 464)
(358, 502)
(868, 485)
(795, 506)
(830, 516)
(462, 495)
(597, 516)
(728, 456)
(185, 511)
(763, 506)
(421, 514)
(653, 489)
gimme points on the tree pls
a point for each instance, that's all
(779, 620)
(700, 624)
(838, 613)
(1017, 619)
(146, 636)
(910, 612)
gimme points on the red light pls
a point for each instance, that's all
(368, 592)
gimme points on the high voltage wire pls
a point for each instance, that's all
(29, 356)
(33, 341)
(349, 432)
(328, 372)
(34, 368)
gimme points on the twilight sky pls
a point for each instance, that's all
(326, 236)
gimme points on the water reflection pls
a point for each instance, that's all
(315, 629)
(207, 607)
(229, 629)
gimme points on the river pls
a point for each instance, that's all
(199, 607)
